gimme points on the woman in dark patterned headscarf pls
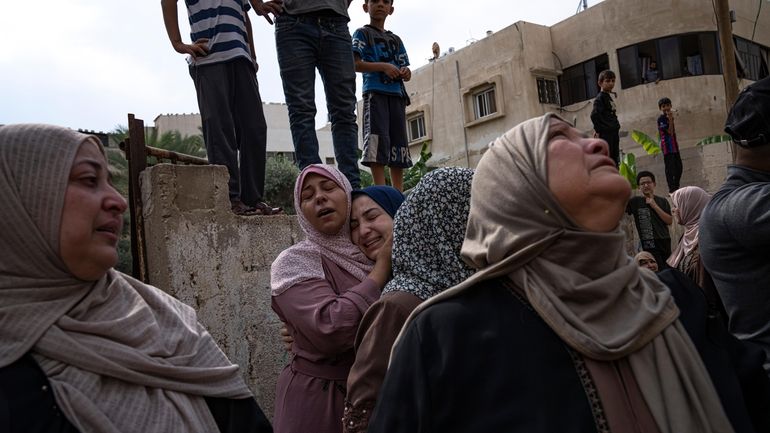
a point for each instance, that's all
(428, 232)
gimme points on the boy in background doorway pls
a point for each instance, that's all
(652, 216)
(669, 145)
(604, 116)
(381, 57)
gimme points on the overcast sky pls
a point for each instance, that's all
(86, 63)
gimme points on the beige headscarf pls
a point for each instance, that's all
(581, 283)
(121, 356)
(690, 201)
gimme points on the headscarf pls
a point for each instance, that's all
(644, 255)
(428, 232)
(387, 197)
(99, 342)
(690, 202)
(582, 284)
(302, 261)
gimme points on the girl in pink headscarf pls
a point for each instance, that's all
(689, 202)
(321, 288)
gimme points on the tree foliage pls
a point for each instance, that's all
(280, 175)
(714, 139)
(412, 175)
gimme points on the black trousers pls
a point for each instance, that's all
(233, 124)
(673, 164)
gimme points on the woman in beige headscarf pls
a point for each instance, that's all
(84, 347)
(559, 330)
(689, 202)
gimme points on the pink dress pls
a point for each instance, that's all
(323, 316)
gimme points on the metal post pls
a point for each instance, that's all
(137, 162)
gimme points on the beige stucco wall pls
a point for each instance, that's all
(506, 58)
(219, 263)
(519, 53)
(614, 24)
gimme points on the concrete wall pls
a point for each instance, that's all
(219, 263)
(518, 54)
(442, 91)
(614, 24)
(278, 131)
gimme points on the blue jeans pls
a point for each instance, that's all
(304, 43)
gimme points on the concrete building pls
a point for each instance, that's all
(279, 140)
(468, 97)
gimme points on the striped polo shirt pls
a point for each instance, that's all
(223, 23)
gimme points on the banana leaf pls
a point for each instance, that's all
(628, 169)
(714, 139)
(650, 146)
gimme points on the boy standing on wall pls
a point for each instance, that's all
(669, 145)
(381, 57)
(604, 115)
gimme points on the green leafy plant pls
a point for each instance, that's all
(280, 175)
(173, 140)
(628, 168)
(714, 139)
(648, 144)
(415, 173)
(412, 175)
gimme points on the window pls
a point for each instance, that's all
(752, 59)
(416, 127)
(579, 82)
(676, 56)
(547, 90)
(484, 103)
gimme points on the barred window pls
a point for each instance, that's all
(547, 90)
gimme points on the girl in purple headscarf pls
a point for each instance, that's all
(321, 288)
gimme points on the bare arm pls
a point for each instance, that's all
(388, 69)
(264, 9)
(170, 17)
(250, 36)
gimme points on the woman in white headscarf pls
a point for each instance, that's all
(84, 347)
(559, 330)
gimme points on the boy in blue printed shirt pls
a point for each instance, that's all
(381, 57)
(668, 145)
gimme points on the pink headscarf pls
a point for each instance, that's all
(302, 261)
(690, 201)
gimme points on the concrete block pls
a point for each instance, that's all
(219, 263)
